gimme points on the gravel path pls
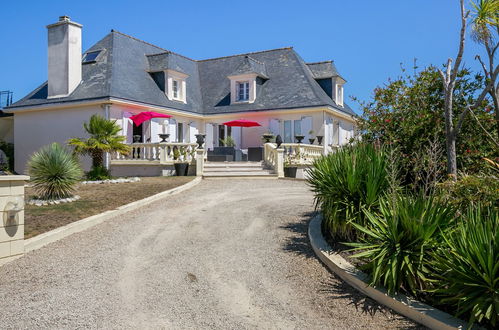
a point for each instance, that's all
(225, 254)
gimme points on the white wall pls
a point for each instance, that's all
(33, 130)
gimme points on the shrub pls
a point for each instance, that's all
(8, 148)
(396, 241)
(54, 172)
(98, 173)
(344, 182)
(471, 189)
(468, 266)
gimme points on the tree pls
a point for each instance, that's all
(485, 31)
(406, 113)
(449, 82)
(104, 137)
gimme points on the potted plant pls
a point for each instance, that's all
(267, 136)
(319, 139)
(299, 138)
(180, 163)
(311, 140)
(163, 137)
(290, 166)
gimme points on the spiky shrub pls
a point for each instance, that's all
(346, 181)
(54, 171)
(398, 238)
(467, 265)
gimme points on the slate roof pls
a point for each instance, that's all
(122, 71)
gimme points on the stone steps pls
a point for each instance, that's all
(237, 170)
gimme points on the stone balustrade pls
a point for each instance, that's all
(162, 153)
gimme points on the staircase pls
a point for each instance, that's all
(237, 170)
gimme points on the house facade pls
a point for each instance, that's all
(121, 76)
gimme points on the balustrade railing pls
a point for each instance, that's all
(301, 154)
(168, 152)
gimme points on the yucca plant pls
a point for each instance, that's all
(398, 238)
(104, 137)
(346, 181)
(467, 265)
(54, 171)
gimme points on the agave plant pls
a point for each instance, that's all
(54, 172)
(467, 265)
(398, 239)
(104, 137)
(346, 181)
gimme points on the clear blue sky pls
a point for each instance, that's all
(367, 39)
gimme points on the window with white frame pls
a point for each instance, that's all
(243, 88)
(175, 89)
(339, 95)
(176, 82)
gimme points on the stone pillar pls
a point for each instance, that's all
(280, 163)
(11, 217)
(199, 162)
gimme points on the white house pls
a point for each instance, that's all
(121, 76)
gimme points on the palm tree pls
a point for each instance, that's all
(485, 31)
(104, 137)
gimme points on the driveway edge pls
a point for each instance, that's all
(415, 310)
(83, 224)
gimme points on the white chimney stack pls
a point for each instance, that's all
(64, 57)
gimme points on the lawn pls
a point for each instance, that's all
(95, 199)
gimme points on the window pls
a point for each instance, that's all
(180, 132)
(243, 91)
(339, 95)
(91, 57)
(176, 85)
(175, 89)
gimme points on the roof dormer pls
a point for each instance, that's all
(329, 79)
(243, 81)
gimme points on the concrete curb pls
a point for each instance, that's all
(81, 225)
(413, 309)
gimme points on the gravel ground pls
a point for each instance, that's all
(225, 254)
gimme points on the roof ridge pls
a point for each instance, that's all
(327, 61)
(150, 44)
(258, 52)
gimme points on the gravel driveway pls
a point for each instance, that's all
(224, 254)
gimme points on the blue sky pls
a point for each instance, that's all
(367, 39)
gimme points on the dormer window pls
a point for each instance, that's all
(243, 90)
(175, 87)
(339, 95)
(176, 82)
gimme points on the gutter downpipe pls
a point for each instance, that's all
(106, 107)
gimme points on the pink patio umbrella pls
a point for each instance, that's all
(147, 115)
(242, 123)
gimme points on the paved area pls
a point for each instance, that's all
(229, 254)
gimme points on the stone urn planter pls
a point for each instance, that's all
(137, 138)
(319, 139)
(164, 137)
(181, 169)
(299, 138)
(267, 137)
(311, 141)
(200, 140)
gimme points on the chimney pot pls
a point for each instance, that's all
(64, 18)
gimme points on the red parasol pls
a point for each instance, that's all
(147, 115)
(242, 123)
